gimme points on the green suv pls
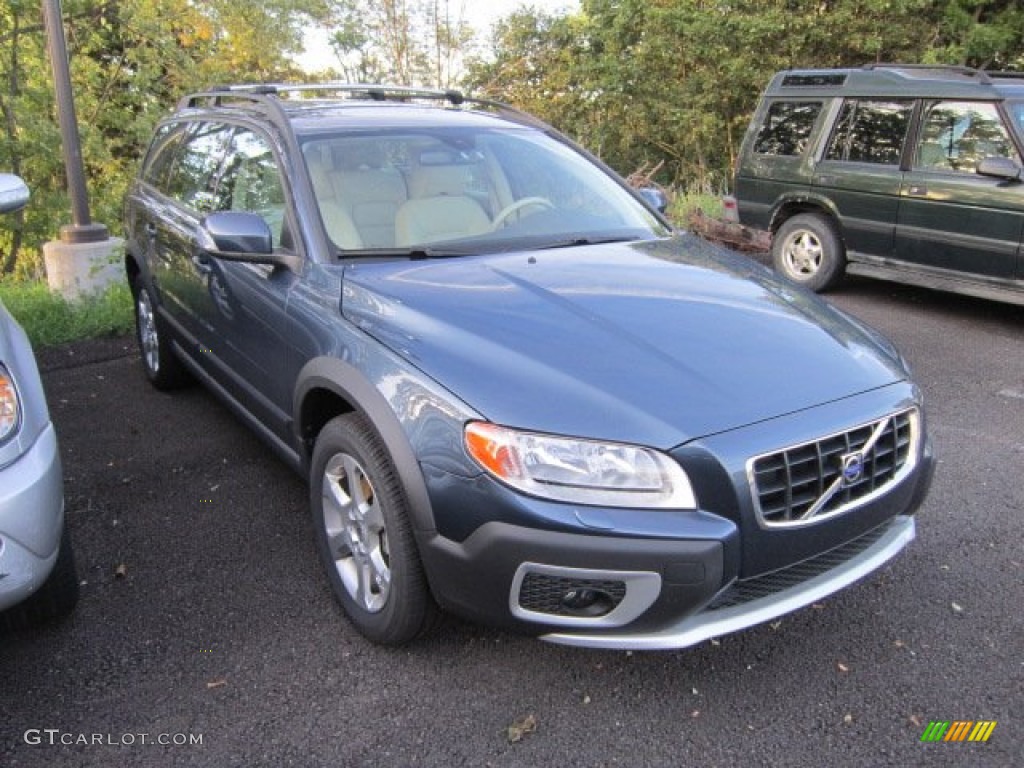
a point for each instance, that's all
(899, 172)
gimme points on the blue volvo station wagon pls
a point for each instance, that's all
(517, 394)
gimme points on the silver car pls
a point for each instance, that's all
(38, 581)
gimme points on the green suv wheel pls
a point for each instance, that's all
(808, 251)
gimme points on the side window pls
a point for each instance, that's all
(870, 132)
(957, 135)
(251, 181)
(787, 127)
(193, 177)
(163, 150)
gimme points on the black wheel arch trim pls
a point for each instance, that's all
(806, 202)
(348, 383)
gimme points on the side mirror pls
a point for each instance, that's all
(235, 232)
(241, 236)
(999, 168)
(655, 198)
(14, 193)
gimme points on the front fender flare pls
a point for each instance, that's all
(348, 383)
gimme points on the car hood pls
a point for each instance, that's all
(656, 342)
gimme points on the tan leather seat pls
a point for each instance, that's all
(436, 219)
(370, 191)
(440, 208)
(337, 221)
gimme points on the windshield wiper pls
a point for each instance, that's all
(572, 242)
(414, 253)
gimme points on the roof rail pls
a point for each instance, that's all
(953, 69)
(1005, 75)
(375, 92)
(268, 93)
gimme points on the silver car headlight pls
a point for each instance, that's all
(578, 470)
(10, 411)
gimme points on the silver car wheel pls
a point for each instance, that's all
(802, 253)
(148, 336)
(356, 535)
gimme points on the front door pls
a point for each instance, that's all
(951, 218)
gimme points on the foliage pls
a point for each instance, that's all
(645, 81)
(402, 42)
(636, 81)
(49, 319)
(130, 60)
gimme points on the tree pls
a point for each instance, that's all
(401, 42)
(130, 60)
(643, 82)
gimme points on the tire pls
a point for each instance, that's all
(808, 251)
(163, 368)
(54, 600)
(363, 534)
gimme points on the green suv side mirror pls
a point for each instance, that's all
(999, 168)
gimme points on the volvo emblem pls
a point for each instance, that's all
(853, 468)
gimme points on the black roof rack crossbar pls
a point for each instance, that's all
(375, 92)
(267, 93)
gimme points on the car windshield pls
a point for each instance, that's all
(445, 191)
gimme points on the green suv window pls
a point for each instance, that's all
(870, 132)
(787, 127)
(957, 135)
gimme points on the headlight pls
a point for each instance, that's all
(9, 411)
(580, 471)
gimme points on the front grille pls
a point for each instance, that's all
(542, 593)
(769, 584)
(821, 478)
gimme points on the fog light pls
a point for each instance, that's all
(587, 602)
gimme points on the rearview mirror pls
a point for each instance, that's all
(14, 193)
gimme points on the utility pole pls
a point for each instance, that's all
(82, 260)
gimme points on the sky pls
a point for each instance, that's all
(480, 14)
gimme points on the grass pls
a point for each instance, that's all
(685, 203)
(49, 319)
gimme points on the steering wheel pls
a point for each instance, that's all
(518, 205)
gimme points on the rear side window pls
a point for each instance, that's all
(870, 132)
(162, 152)
(787, 127)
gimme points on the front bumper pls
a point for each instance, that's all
(767, 599)
(31, 518)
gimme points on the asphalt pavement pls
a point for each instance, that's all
(206, 634)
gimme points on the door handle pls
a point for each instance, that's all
(916, 190)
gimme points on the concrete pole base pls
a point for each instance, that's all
(75, 270)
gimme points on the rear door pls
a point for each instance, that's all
(951, 218)
(189, 192)
(777, 163)
(859, 171)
